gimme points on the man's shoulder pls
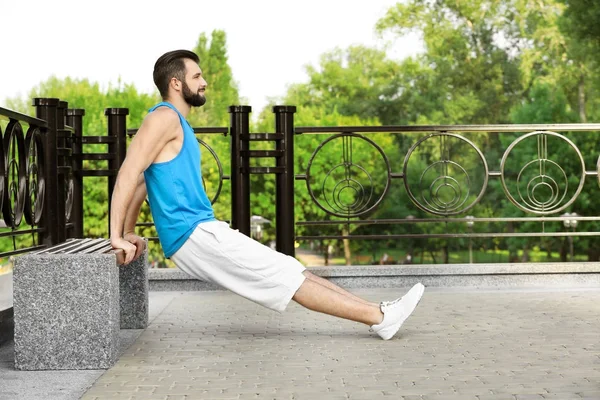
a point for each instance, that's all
(163, 121)
(164, 115)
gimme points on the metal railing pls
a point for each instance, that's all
(443, 175)
(23, 183)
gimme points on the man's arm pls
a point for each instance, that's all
(132, 215)
(158, 129)
(133, 211)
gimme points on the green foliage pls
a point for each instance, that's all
(580, 19)
(222, 90)
(465, 68)
(484, 62)
(358, 81)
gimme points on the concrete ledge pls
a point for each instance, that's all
(7, 325)
(457, 269)
(526, 275)
(465, 275)
(6, 291)
(66, 311)
(6, 307)
(133, 293)
(173, 279)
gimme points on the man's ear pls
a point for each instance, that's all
(175, 84)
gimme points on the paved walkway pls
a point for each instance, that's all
(6, 289)
(310, 258)
(460, 344)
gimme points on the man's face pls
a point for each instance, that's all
(194, 86)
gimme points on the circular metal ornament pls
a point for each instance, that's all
(348, 190)
(15, 170)
(444, 186)
(540, 182)
(35, 183)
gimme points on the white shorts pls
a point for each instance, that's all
(218, 254)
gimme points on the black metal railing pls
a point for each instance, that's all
(241, 169)
(23, 183)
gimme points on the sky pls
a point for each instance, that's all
(269, 42)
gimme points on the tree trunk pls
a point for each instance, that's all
(347, 253)
(433, 256)
(513, 256)
(563, 251)
(593, 254)
(446, 254)
(581, 100)
(525, 257)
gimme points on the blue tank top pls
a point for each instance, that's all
(176, 195)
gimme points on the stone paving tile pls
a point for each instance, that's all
(482, 345)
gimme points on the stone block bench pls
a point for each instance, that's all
(71, 300)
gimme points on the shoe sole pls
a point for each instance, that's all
(398, 325)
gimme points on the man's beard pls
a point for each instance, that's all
(193, 99)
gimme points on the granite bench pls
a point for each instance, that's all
(71, 300)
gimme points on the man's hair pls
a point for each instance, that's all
(171, 65)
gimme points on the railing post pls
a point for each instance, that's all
(117, 129)
(284, 201)
(63, 154)
(46, 109)
(240, 164)
(75, 120)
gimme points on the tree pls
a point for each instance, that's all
(358, 81)
(469, 70)
(221, 93)
(222, 90)
(493, 62)
(581, 19)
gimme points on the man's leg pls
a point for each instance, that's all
(322, 299)
(336, 288)
(385, 320)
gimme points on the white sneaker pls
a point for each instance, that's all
(397, 311)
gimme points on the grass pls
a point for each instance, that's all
(6, 266)
(455, 257)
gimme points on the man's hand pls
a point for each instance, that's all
(138, 242)
(131, 244)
